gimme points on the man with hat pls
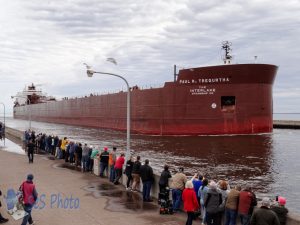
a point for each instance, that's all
(30, 150)
(146, 173)
(177, 185)
(264, 215)
(104, 156)
(29, 197)
(280, 210)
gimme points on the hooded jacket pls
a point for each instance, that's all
(212, 201)
(264, 216)
(281, 213)
(190, 202)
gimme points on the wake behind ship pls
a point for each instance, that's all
(224, 99)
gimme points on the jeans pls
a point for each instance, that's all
(30, 156)
(129, 179)
(103, 166)
(57, 152)
(85, 162)
(230, 217)
(146, 190)
(245, 219)
(118, 175)
(72, 157)
(112, 174)
(203, 213)
(176, 196)
(27, 218)
(189, 220)
(52, 149)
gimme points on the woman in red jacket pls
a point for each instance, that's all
(190, 203)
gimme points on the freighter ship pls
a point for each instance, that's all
(213, 100)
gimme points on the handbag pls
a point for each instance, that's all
(20, 194)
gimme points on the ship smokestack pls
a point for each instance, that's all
(175, 73)
(227, 57)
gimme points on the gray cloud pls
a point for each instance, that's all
(47, 41)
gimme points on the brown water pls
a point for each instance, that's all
(267, 162)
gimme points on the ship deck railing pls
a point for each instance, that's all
(144, 87)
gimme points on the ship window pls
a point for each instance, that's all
(227, 103)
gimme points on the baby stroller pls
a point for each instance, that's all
(166, 205)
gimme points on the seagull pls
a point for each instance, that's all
(112, 60)
(87, 66)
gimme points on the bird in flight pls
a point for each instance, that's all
(112, 60)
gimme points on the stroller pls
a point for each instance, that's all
(166, 205)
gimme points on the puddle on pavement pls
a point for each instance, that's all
(67, 166)
(119, 200)
(51, 157)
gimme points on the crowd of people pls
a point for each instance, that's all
(61, 148)
(214, 202)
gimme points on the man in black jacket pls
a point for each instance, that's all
(164, 179)
(264, 215)
(30, 150)
(147, 177)
(104, 157)
(136, 174)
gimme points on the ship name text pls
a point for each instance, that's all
(205, 80)
(202, 90)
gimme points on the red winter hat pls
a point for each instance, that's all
(105, 148)
(281, 200)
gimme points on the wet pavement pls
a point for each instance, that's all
(119, 200)
(101, 202)
(65, 165)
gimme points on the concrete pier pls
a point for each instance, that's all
(286, 124)
(100, 202)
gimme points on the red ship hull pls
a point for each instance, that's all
(228, 99)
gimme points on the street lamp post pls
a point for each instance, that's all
(29, 111)
(3, 120)
(90, 73)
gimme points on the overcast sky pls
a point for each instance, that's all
(46, 42)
